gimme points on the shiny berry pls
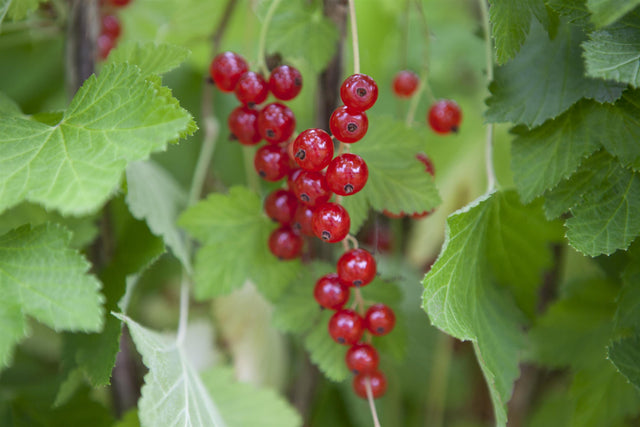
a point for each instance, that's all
(293, 173)
(226, 69)
(119, 3)
(251, 89)
(272, 162)
(330, 292)
(303, 220)
(377, 381)
(313, 149)
(280, 205)
(346, 327)
(357, 267)
(347, 174)
(105, 43)
(311, 188)
(359, 92)
(445, 116)
(428, 164)
(243, 124)
(405, 84)
(276, 122)
(362, 359)
(285, 82)
(379, 319)
(285, 243)
(331, 222)
(111, 26)
(348, 125)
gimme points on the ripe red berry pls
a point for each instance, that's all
(356, 267)
(119, 3)
(313, 149)
(377, 381)
(359, 92)
(379, 319)
(303, 220)
(226, 69)
(251, 89)
(348, 125)
(111, 26)
(105, 43)
(405, 83)
(285, 82)
(445, 116)
(243, 124)
(280, 205)
(276, 122)
(362, 359)
(331, 222)
(285, 243)
(311, 188)
(330, 292)
(272, 162)
(346, 327)
(347, 174)
(428, 164)
(420, 215)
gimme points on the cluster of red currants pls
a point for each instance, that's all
(110, 28)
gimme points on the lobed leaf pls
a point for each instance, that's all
(324, 352)
(605, 12)
(624, 355)
(151, 58)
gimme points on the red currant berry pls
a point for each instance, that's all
(285, 82)
(359, 92)
(346, 327)
(243, 124)
(347, 174)
(285, 243)
(303, 220)
(377, 381)
(405, 84)
(313, 149)
(331, 222)
(330, 292)
(272, 162)
(357, 267)
(293, 173)
(348, 125)
(251, 89)
(362, 359)
(276, 122)
(428, 164)
(105, 43)
(421, 215)
(379, 319)
(280, 205)
(311, 188)
(111, 26)
(445, 116)
(226, 69)
(119, 3)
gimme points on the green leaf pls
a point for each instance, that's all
(522, 91)
(153, 195)
(324, 352)
(300, 31)
(244, 405)
(19, 9)
(151, 58)
(8, 106)
(234, 232)
(4, 7)
(575, 10)
(358, 207)
(75, 165)
(129, 419)
(605, 12)
(614, 53)
(625, 356)
(461, 296)
(173, 392)
(42, 277)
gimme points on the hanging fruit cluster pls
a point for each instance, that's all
(110, 28)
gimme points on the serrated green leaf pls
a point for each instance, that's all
(614, 53)
(40, 276)
(151, 58)
(358, 207)
(153, 195)
(628, 313)
(522, 91)
(75, 165)
(243, 405)
(605, 12)
(19, 9)
(575, 10)
(462, 298)
(234, 232)
(324, 352)
(173, 393)
(625, 356)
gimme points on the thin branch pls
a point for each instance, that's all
(372, 405)
(491, 175)
(262, 65)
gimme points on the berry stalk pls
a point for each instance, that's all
(354, 37)
(262, 65)
(491, 175)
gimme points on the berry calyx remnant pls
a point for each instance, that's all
(347, 174)
(276, 123)
(243, 124)
(330, 292)
(285, 82)
(313, 149)
(405, 84)
(362, 358)
(445, 116)
(310, 187)
(226, 69)
(379, 319)
(378, 383)
(285, 244)
(346, 327)
(331, 222)
(356, 267)
(359, 92)
(348, 125)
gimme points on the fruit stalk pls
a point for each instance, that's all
(491, 175)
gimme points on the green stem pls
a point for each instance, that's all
(211, 130)
(491, 175)
(262, 65)
(354, 37)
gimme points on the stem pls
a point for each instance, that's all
(262, 65)
(491, 175)
(436, 398)
(354, 37)
(372, 405)
(184, 309)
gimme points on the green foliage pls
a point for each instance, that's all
(624, 354)
(19, 9)
(605, 12)
(151, 58)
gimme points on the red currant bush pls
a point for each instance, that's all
(251, 89)
(243, 124)
(276, 122)
(377, 381)
(311, 188)
(405, 84)
(346, 327)
(272, 162)
(285, 244)
(285, 82)
(379, 319)
(445, 116)
(281, 205)
(348, 125)
(359, 92)
(357, 267)
(347, 174)
(331, 222)
(226, 69)
(330, 292)
(313, 149)
(362, 359)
